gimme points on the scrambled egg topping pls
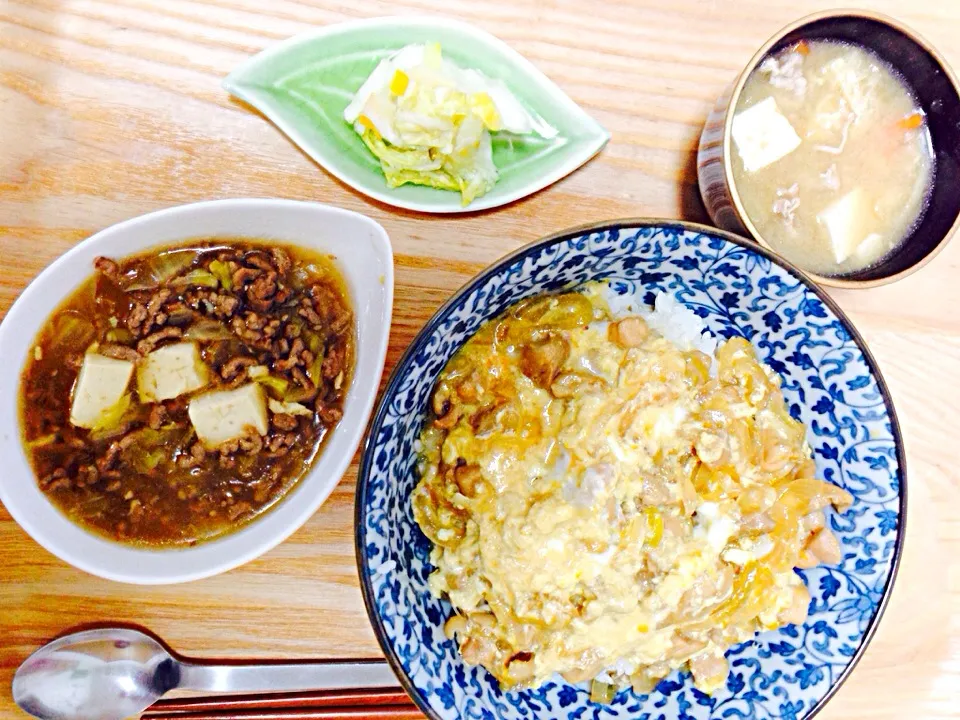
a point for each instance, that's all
(605, 504)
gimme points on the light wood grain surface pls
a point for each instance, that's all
(112, 108)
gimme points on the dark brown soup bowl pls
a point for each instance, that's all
(937, 91)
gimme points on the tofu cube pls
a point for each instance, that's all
(763, 135)
(171, 371)
(848, 221)
(100, 385)
(223, 415)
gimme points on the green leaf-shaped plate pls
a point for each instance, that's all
(304, 84)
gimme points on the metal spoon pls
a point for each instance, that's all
(116, 673)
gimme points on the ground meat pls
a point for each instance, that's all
(177, 406)
(142, 318)
(109, 459)
(136, 510)
(273, 327)
(259, 260)
(280, 444)
(284, 422)
(56, 480)
(209, 302)
(244, 276)
(294, 359)
(149, 343)
(108, 268)
(254, 321)
(225, 305)
(301, 378)
(198, 453)
(281, 260)
(260, 294)
(282, 295)
(119, 352)
(330, 415)
(137, 317)
(256, 338)
(238, 509)
(333, 362)
(251, 443)
(333, 314)
(179, 313)
(158, 416)
(156, 302)
(235, 368)
(129, 439)
(307, 312)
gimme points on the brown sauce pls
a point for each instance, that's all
(263, 314)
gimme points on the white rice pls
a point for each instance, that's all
(679, 324)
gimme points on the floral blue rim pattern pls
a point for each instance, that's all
(830, 381)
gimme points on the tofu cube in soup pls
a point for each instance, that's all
(845, 222)
(171, 371)
(225, 415)
(763, 135)
(100, 386)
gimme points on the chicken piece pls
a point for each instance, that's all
(541, 360)
(629, 332)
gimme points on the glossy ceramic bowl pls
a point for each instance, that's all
(831, 383)
(938, 93)
(362, 253)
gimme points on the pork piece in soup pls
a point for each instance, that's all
(178, 394)
(832, 156)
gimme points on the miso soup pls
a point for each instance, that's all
(832, 156)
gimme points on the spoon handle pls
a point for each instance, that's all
(286, 677)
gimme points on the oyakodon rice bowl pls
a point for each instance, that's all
(829, 383)
(611, 496)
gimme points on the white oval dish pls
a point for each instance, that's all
(363, 255)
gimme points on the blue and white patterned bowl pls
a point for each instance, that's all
(830, 381)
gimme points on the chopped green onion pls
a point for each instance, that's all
(113, 416)
(198, 277)
(602, 693)
(276, 384)
(222, 272)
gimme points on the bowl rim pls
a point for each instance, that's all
(428, 329)
(176, 225)
(737, 89)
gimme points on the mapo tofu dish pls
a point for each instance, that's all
(612, 505)
(179, 393)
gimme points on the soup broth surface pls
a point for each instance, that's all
(228, 362)
(831, 157)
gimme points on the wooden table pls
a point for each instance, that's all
(112, 108)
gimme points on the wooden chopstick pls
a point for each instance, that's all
(277, 701)
(372, 703)
(373, 712)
